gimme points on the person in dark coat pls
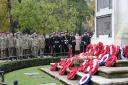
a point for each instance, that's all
(56, 44)
(62, 43)
(84, 42)
(47, 45)
(66, 43)
(72, 42)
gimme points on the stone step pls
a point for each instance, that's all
(113, 72)
(96, 80)
(62, 78)
(121, 63)
(99, 80)
(108, 72)
(79, 74)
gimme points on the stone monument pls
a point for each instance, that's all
(111, 22)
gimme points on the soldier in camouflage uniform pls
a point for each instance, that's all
(3, 45)
(29, 45)
(35, 45)
(41, 44)
(11, 44)
(0, 44)
(25, 45)
(19, 48)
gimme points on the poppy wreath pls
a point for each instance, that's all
(62, 70)
(80, 55)
(107, 49)
(126, 51)
(113, 50)
(96, 51)
(74, 70)
(100, 48)
(83, 66)
(100, 56)
(94, 67)
(85, 79)
(90, 46)
(72, 73)
(63, 61)
(69, 63)
(110, 62)
(103, 59)
(54, 67)
(80, 68)
(88, 67)
(92, 49)
(83, 56)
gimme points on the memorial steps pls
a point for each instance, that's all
(121, 63)
(117, 75)
(62, 78)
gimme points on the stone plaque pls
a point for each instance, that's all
(104, 26)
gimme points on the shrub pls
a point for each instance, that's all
(19, 64)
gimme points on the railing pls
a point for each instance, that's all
(31, 55)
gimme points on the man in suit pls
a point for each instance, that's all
(56, 44)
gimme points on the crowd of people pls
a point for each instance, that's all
(56, 43)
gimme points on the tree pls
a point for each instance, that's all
(49, 15)
(44, 15)
(83, 11)
(90, 20)
(4, 20)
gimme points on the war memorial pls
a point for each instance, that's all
(111, 29)
(37, 59)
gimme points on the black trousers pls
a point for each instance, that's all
(73, 49)
(56, 50)
(83, 48)
(65, 49)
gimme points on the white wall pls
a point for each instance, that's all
(121, 14)
(119, 23)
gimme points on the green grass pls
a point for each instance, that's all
(24, 79)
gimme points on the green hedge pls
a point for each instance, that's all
(19, 64)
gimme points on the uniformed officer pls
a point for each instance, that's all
(47, 45)
(11, 44)
(3, 45)
(72, 42)
(51, 37)
(0, 45)
(84, 42)
(56, 44)
(62, 43)
(88, 38)
(19, 44)
(30, 45)
(35, 45)
(66, 43)
(25, 45)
